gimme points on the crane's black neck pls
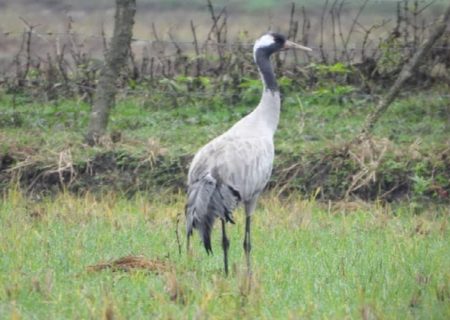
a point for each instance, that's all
(262, 59)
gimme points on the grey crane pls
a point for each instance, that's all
(235, 167)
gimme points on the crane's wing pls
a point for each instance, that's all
(207, 200)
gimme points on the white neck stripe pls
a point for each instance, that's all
(265, 41)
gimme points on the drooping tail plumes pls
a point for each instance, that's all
(207, 200)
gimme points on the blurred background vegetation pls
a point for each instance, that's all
(189, 78)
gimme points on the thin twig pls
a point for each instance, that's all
(355, 20)
(197, 51)
(322, 20)
(177, 233)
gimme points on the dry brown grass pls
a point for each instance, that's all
(129, 263)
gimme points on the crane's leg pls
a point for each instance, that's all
(249, 208)
(225, 246)
(188, 245)
(188, 249)
(247, 243)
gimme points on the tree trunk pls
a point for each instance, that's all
(116, 58)
(405, 74)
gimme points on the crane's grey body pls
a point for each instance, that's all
(236, 166)
(242, 157)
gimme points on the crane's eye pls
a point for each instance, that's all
(279, 39)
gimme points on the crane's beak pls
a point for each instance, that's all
(293, 45)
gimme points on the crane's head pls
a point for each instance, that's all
(273, 42)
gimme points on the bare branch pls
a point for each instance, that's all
(322, 20)
(355, 20)
(407, 70)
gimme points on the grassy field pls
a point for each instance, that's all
(309, 120)
(43, 137)
(346, 260)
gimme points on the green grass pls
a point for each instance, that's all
(309, 120)
(349, 260)
(172, 126)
